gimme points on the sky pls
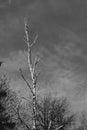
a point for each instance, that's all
(61, 45)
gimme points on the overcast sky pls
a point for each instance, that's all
(62, 44)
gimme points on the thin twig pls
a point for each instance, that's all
(36, 76)
(19, 116)
(26, 99)
(36, 61)
(34, 40)
(50, 123)
(59, 127)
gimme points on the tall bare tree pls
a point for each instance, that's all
(32, 69)
(54, 115)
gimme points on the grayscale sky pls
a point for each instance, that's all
(62, 45)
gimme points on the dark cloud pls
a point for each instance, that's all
(49, 18)
(59, 23)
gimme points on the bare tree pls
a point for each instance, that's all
(48, 115)
(53, 114)
(32, 69)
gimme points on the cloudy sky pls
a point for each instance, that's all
(62, 45)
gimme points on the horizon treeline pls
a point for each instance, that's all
(52, 113)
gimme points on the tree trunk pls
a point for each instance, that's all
(32, 72)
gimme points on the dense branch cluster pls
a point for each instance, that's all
(5, 118)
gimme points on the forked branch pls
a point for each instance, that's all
(21, 120)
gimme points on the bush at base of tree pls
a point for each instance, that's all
(54, 114)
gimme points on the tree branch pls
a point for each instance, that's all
(50, 123)
(19, 117)
(34, 40)
(36, 61)
(59, 127)
(26, 99)
(25, 80)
